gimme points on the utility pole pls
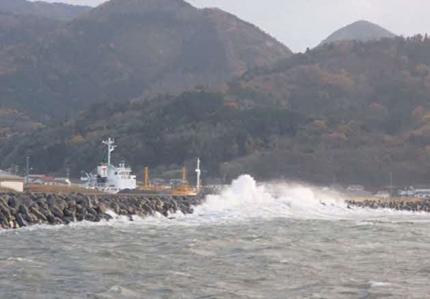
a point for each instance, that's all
(27, 171)
(391, 183)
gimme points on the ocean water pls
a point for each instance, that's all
(252, 241)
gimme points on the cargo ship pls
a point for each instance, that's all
(110, 178)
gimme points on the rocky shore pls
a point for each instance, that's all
(22, 210)
(397, 204)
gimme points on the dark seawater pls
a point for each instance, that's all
(250, 242)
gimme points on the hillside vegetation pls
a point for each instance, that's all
(348, 112)
(18, 30)
(127, 49)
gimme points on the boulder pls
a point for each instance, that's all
(58, 221)
(85, 202)
(20, 220)
(13, 202)
(51, 219)
(101, 208)
(4, 224)
(46, 212)
(71, 203)
(5, 210)
(69, 212)
(94, 201)
(23, 209)
(57, 212)
(26, 200)
(92, 211)
(38, 214)
(2, 217)
(4, 200)
(131, 210)
(51, 201)
(90, 217)
(114, 206)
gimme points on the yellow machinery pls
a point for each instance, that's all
(184, 189)
(147, 187)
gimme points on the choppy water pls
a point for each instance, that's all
(278, 241)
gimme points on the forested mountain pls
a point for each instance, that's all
(54, 11)
(360, 31)
(350, 111)
(126, 49)
(18, 30)
(347, 112)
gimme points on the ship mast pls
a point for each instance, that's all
(111, 147)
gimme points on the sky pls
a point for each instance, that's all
(305, 23)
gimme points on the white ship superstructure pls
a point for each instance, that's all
(109, 178)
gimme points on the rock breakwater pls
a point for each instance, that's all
(415, 205)
(22, 210)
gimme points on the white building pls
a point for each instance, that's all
(415, 191)
(355, 188)
(12, 182)
(383, 194)
(38, 179)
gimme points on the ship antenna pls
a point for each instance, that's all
(198, 171)
(111, 147)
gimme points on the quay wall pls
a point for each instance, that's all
(19, 210)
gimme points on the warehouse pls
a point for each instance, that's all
(11, 182)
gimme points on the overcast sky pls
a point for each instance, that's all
(305, 23)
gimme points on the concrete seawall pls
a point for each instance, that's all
(27, 209)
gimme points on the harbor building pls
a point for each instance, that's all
(11, 182)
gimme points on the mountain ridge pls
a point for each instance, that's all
(360, 30)
(124, 49)
(55, 11)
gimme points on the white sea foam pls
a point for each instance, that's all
(246, 200)
(378, 284)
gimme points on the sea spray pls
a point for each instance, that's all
(246, 199)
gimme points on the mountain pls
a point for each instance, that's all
(361, 31)
(18, 30)
(349, 112)
(127, 49)
(55, 11)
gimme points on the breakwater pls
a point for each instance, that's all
(27, 209)
(398, 204)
